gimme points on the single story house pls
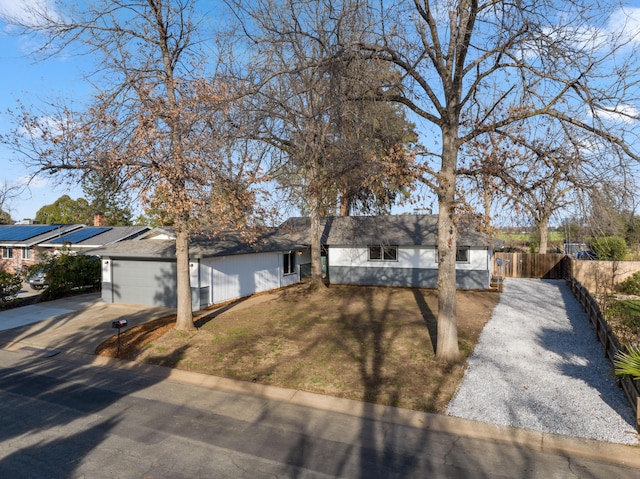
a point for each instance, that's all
(143, 270)
(21, 243)
(382, 250)
(396, 250)
(90, 237)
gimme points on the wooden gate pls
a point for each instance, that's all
(530, 265)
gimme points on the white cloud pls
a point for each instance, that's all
(621, 113)
(43, 128)
(26, 12)
(625, 22)
(621, 29)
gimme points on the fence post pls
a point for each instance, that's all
(592, 309)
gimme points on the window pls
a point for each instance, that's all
(26, 253)
(7, 252)
(462, 254)
(289, 261)
(383, 253)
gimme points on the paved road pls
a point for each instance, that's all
(65, 413)
(63, 417)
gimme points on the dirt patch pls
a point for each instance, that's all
(364, 343)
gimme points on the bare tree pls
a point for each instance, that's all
(607, 209)
(157, 121)
(7, 193)
(539, 172)
(465, 62)
(309, 107)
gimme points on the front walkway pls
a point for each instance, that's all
(538, 365)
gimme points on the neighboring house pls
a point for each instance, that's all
(91, 237)
(398, 250)
(143, 271)
(22, 243)
(383, 250)
(19, 243)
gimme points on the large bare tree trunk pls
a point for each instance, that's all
(184, 314)
(543, 229)
(345, 203)
(316, 242)
(447, 342)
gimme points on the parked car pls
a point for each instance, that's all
(37, 280)
(586, 255)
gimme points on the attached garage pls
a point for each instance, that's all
(143, 271)
(150, 282)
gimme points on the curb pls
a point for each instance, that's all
(621, 454)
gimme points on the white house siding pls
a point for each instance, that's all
(232, 277)
(213, 280)
(415, 267)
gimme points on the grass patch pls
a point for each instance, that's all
(365, 343)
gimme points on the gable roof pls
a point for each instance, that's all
(200, 246)
(295, 233)
(30, 235)
(401, 230)
(94, 236)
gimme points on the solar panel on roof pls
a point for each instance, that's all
(23, 232)
(80, 235)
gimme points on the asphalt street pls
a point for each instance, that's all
(66, 413)
(66, 417)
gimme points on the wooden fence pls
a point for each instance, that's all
(602, 276)
(559, 266)
(610, 344)
(531, 265)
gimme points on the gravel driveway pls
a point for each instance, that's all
(539, 366)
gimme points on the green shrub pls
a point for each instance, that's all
(627, 364)
(609, 248)
(10, 286)
(631, 285)
(66, 272)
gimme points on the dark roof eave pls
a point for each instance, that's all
(135, 256)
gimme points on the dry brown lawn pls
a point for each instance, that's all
(366, 343)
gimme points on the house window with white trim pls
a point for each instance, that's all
(289, 262)
(7, 252)
(462, 254)
(383, 253)
(26, 253)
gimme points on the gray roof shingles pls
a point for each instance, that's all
(400, 230)
(200, 246)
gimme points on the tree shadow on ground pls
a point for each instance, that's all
(48, 395)
(583, 356)
(428, 316)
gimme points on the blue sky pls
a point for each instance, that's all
(32, 82)
(61, 77)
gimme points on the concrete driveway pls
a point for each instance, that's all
(76, 324)
(27, 291)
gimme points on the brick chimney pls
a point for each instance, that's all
(98, 219)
